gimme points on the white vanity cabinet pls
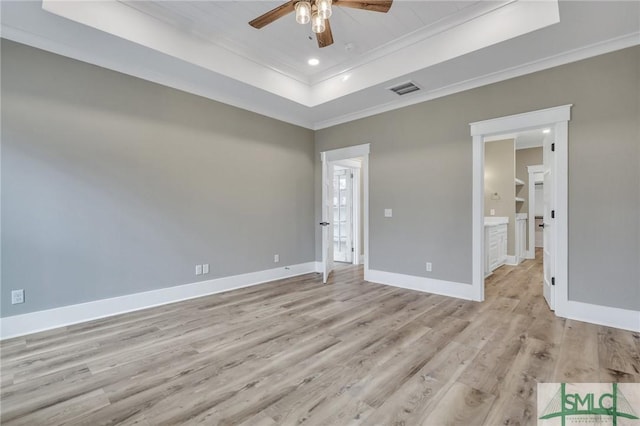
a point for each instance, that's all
(495, 240)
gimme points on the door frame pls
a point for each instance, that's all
(347, 153)
(558, 118)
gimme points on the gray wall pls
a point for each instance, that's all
(499, 177)
(420, 165)
(112, 185)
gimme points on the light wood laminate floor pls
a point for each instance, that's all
(296, 351)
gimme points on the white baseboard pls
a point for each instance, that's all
(603, 315)
(511, 261)
(32, 322)
(427, 285)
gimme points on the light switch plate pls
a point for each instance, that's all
(205, 268)
(198, 269)
(388, 213)
(492, 212)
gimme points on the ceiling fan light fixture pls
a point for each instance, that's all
(303, 12)
(324, 8)
(317, 23)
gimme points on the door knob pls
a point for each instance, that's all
(541, 225)
(325, 223)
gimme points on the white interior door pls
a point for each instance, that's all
(342, 215)
(327, 213)
(549, 229)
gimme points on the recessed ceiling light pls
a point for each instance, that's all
(313, 62)
(346, 77)
(546, 131)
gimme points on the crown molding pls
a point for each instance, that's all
(575, 55)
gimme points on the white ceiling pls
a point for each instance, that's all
(286, 46)
(207, 48)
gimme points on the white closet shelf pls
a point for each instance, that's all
(519, 182)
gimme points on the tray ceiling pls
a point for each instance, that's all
(208, 48)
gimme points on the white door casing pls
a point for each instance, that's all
(557, 119)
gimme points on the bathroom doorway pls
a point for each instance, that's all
(555, 153)
(515, 202)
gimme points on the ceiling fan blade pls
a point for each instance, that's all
(325, 38)
(373, 5)
(272, 15)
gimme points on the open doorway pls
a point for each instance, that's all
(514, 203)
(347, 211)
(351, 227)
(555, 161)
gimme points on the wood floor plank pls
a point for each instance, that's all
(461, 405)
(578, 361)
(298, 351)
(618, 356)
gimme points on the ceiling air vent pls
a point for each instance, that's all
(404, 88)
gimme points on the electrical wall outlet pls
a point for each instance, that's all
(205, 268)
(492, 212)
(388, 213)
(198, 269)
(429, 267)
(17, 296)
(276, 258)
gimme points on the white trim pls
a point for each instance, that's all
(33, 322)
(558, 116)
(427, 285)
(603, 315)
(511, 261)
(596, 49)
(348, 153)
(477, 224)
(531, 247)
(526, 120)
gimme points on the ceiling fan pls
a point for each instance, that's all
(318, 12)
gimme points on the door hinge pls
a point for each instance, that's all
(553, 214)
(351, 249)
(351, 175)
(553, 280)
(553, 147)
